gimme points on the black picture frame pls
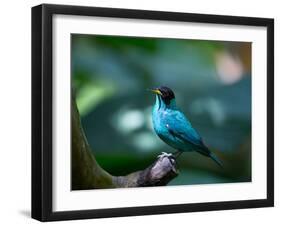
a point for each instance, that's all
(42, 107)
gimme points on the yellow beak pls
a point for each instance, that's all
(157, 91)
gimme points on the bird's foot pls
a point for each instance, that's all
(177, 154)
(164, 154)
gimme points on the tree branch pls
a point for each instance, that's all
(87, 173)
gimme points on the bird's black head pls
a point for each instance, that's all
(165, 93)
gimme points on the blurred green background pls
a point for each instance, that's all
(212, 84)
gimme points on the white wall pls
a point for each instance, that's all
(15, 102)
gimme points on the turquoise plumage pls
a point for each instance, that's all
(171, 125)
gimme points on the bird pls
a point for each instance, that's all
(174, 128)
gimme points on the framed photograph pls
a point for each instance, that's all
(145, 112)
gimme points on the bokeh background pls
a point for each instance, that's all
(212, 84)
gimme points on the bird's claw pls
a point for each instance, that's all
(164, 154)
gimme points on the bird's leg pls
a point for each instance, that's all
(177, 154)
(164, 154)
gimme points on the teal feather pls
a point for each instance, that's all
(171, 125)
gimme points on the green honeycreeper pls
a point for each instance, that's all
(171, 125)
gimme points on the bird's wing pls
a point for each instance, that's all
(179, 126)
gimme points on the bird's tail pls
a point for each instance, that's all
(205, 151)
(216, 159)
